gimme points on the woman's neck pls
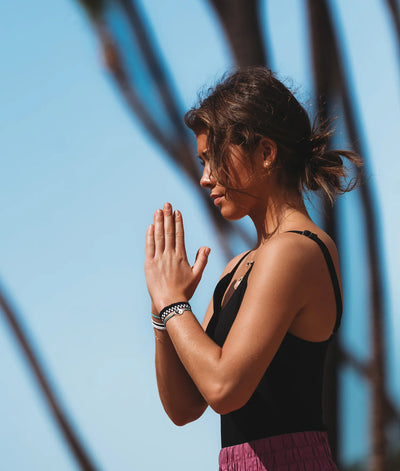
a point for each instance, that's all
(277, 215)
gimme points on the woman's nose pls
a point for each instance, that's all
(207, 180)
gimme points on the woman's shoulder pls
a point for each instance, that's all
(300, 247)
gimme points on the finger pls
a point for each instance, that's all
(159, 239)
(201, 262)
(179, 234)
(169, 227)
(149, 248)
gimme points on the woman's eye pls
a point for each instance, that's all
(201, 162)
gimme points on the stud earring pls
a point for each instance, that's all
(267, 166)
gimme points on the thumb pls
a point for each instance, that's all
(201, 261)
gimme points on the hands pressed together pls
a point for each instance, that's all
(169, 276)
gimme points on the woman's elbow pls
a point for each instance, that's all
(181, 418)
(223, 399)
(224, 406)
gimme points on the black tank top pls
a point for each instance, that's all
(288, 398)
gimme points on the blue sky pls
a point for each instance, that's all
(80, 181)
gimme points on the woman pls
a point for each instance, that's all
(257, 359)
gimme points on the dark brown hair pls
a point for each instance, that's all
(251, 103)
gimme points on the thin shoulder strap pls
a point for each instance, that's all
(222, 285)
(239, 262)
(332, 272)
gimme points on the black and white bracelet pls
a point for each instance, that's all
(158, 325)
(172, 310)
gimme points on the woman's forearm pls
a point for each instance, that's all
(202, 359)
(180, 397)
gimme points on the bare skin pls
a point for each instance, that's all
(289, 290)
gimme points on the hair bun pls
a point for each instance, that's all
(324, 168)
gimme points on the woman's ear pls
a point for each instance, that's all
(268, 150)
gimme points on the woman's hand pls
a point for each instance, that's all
(169, 276)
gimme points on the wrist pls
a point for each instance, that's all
(154, 311)
(158, 325)
(170, 299)
(174, 309)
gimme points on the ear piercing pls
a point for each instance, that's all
(267, 166)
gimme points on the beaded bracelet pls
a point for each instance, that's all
(174, 309)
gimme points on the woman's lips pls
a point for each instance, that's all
(217, 198)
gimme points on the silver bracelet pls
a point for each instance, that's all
(158, 325)
(173, 310)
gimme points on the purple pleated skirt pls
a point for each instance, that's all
(302, 451)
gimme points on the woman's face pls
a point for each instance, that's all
(249, 183)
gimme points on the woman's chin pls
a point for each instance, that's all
(232, 215)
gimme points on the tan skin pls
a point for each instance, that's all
(289, 290)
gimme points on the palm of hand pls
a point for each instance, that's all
(169, 276)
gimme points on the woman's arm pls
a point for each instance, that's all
(180, 397)
(228, 376)
(281, 283)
